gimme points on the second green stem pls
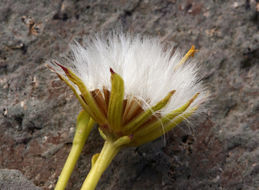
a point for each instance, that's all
(83, 128)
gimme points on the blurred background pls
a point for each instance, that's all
(38, 111)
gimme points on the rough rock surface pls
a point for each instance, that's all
(39, 111)
(14, 180)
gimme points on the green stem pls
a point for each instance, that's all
(108, 152)
(84, 127)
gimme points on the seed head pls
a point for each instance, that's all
(133, 86)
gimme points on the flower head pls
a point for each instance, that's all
(133, 87)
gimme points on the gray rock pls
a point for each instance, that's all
(15, 180)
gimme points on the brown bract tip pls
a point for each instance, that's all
(194, 97)
(112, 71)
(62, 67)
(172, 92)
(50, 68)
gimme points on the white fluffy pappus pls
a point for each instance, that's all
(149, 70)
